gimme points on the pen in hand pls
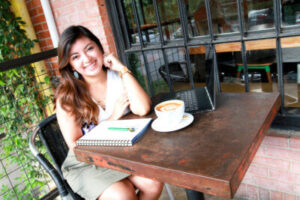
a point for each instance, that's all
(121, 129)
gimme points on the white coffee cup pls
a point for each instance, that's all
(170, 113)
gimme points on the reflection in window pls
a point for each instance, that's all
(198, 65)
(147, 20)
(291, 84)
(290, 12)
(155, 60)
(169, 15)
(177, 68)
(260, 14)
(138, 69)
(224, 17)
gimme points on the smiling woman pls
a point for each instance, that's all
(104, 90)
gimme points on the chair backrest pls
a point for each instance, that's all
(175, 70)
(52, 138)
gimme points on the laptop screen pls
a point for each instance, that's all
(195, 100)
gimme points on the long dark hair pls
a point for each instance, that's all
(72, 92)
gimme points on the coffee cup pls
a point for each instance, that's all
(169, 113)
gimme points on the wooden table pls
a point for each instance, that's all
(211, 155)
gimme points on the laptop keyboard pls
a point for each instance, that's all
(195, 100)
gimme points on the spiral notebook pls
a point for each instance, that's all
(116, 133)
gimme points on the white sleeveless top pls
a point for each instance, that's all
(114, 90)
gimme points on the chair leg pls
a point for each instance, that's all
(169, 191)
(238, 74)
(269, 77)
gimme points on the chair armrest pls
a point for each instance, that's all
(59, 182)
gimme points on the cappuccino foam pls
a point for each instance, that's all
(168, 106)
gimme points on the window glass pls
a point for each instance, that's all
(155, 61)
(224, 16)
(147, 20)
(223, 12)
(177, 68)
(290, 12)
(137, 67)
(170, 21)
(259, 15)
(199, 65)
(291, 72)
(230, 80)
(262, 67)
(197, 19)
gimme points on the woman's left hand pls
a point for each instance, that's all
(113, 63)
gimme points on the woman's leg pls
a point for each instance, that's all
(149, 189)
(120, 190)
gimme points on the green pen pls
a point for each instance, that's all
(121, 129)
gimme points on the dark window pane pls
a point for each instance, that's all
(291, 72)
(290, 12)
(138, 69)
(197, 18)
(227, 60)
(177, 68)
(223, 12)
(199, 65)
(262, 68)
(169, 15)
(147, 20)
(259, 15)
(130, 21)
(224, 16)
(155, 60)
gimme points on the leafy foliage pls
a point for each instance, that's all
(20, 106)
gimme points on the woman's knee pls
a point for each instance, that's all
(147, 185)
(155, 186)
(120, 190)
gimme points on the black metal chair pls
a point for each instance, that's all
(51, 137)
(176, 72)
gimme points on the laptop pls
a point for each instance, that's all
(197, 100)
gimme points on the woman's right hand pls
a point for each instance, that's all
(120, 107)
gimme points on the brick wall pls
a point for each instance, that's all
(91, 14)
(42, 32)
(275, 170)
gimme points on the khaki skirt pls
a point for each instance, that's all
(89, 181)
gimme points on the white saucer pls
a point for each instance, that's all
(186, 120)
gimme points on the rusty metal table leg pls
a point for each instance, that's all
(194, 195)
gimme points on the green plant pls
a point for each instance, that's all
(20, 106)
(134, 65)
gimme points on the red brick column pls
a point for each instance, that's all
(91, 14)
(42, 33)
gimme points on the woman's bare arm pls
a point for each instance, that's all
(139, 100)
(70, 129)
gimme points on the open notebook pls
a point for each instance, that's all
(116, 133)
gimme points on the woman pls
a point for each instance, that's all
(93, 88)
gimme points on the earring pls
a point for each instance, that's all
(76, 74)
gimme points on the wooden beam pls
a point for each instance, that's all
(250, 45)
